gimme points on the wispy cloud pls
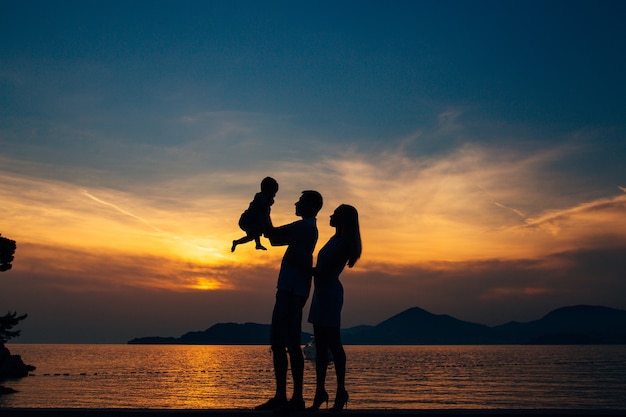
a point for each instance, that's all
(120, 210)
(603, 212)
(444, 207)
(514, 210)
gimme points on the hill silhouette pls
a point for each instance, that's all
(417, 326)
(219, 334)
(581, 324)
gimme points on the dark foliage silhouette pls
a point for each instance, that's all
(11, 366)
(8, 322)
(7, 250)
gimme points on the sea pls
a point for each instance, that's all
(378, 377)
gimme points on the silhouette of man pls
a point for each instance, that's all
(294, 284)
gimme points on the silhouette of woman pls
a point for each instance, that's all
(325, 313)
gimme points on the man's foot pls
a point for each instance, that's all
(261, 247)
(232, 249)
(272, 404)
(296, 404)
(291, 406)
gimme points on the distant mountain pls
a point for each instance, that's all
(415, 326)
(580, 324)
(219, 334)
(229, 334)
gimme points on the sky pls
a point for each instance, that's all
(482, 142)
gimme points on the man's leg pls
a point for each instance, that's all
(297, 372)
(295, 351)
(278, 340)
(280, 372)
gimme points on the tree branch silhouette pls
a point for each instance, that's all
(7, 250)
(11, 366)
(10, 320)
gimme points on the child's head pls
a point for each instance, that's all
(269, 186)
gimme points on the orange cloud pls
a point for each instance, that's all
(499, 293)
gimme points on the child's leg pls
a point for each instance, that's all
(244, 239)
(258, 243)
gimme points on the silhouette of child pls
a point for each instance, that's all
(256, 219)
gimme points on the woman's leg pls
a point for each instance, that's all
(321, 357)
(339, 356)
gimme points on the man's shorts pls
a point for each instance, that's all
(286, 328)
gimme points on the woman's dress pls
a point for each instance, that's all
(327, 298)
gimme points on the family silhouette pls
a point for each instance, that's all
(295, 277)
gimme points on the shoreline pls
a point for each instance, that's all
(128, 412)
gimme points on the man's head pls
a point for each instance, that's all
(310, 204)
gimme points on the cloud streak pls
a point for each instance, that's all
(120, 210)
(606, 210)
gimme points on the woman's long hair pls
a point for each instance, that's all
(348, 218)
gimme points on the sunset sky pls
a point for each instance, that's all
(483, 143)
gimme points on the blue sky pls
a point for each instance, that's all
(469, 134)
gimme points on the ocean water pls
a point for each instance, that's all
(379, 377)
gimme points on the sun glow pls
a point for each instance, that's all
(207, 284)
